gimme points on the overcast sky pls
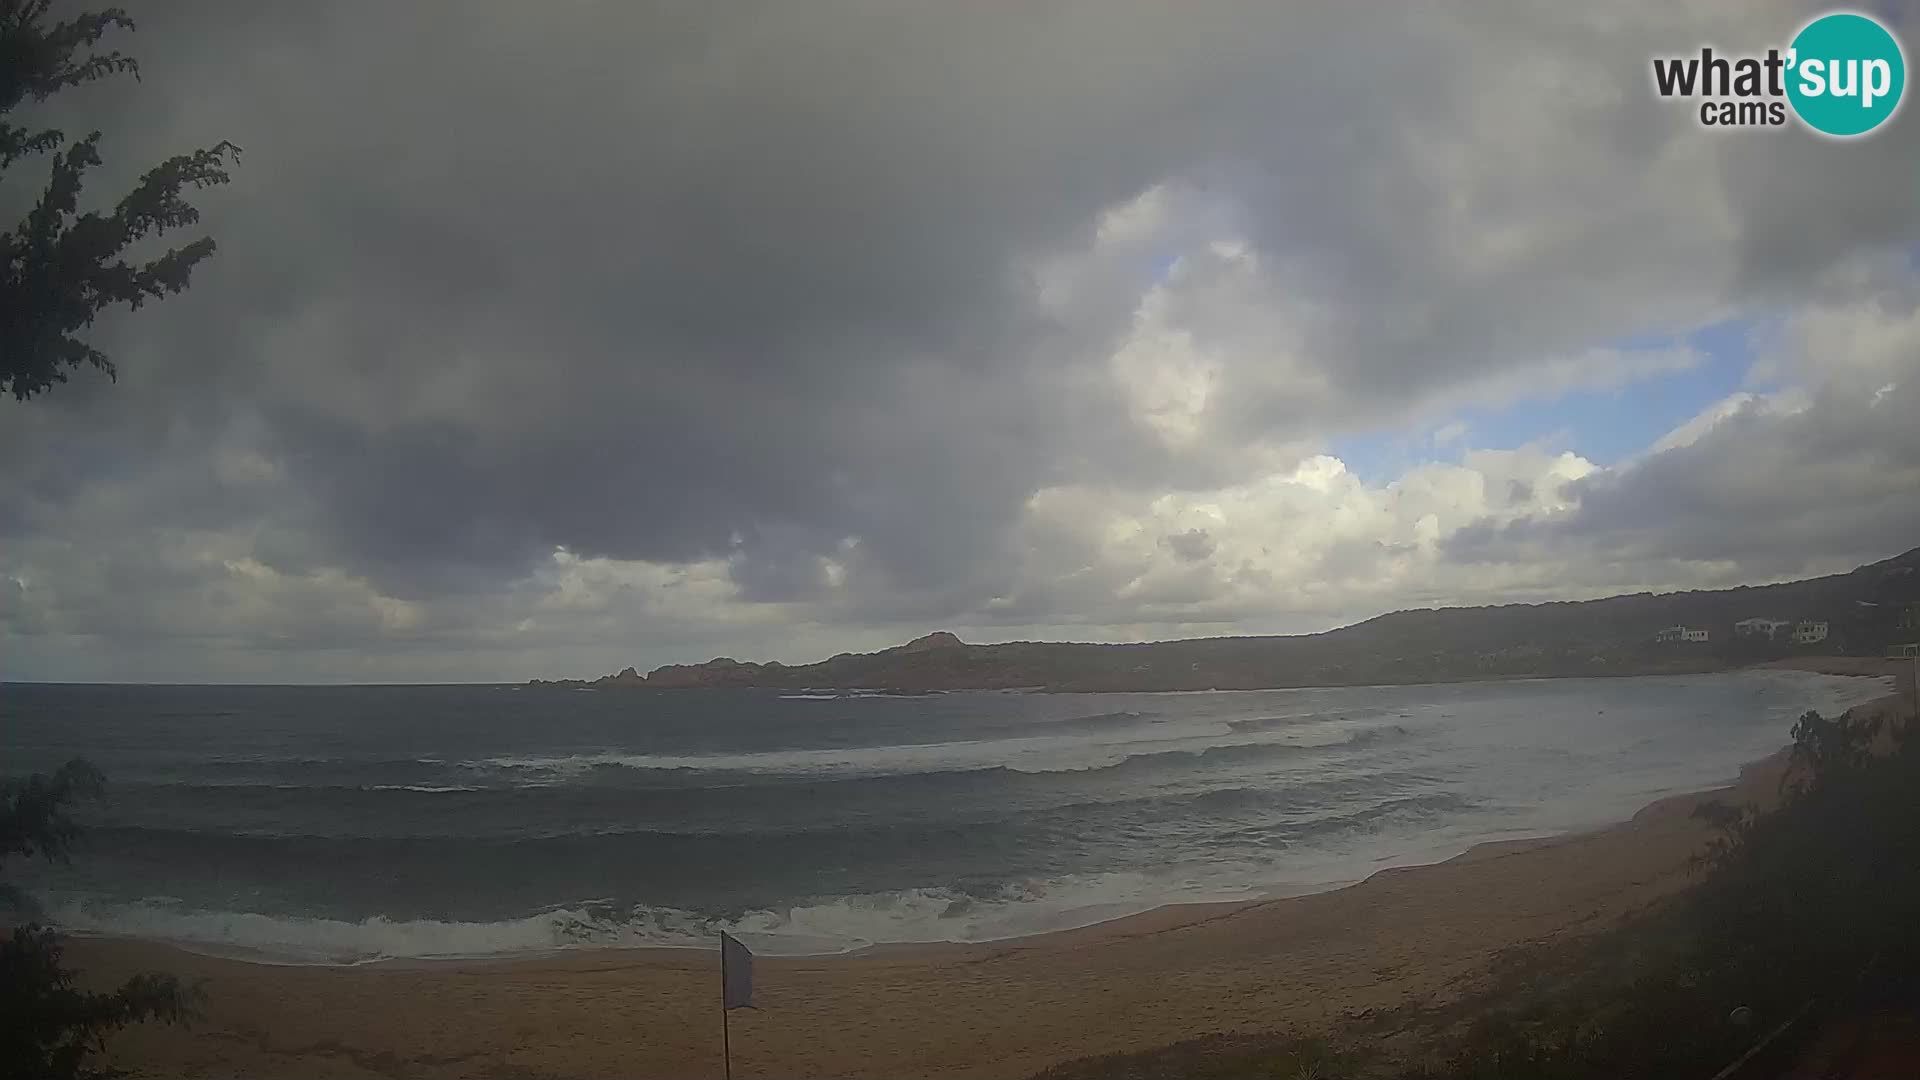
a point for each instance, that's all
(552, 338)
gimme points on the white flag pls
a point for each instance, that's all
(736, 973)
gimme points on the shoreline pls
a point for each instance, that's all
(1001, 1008)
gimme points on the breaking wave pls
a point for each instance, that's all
(820, 927)
(1031, 754)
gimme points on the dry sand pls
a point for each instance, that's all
(999, 1010)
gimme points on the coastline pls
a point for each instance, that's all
(1005, 1008)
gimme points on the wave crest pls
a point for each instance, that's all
(822, 927)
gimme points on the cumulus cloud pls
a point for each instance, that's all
(557, 336)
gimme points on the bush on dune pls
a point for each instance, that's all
(1810, 907)
(1813, 894)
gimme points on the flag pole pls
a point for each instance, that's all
(726, 1035)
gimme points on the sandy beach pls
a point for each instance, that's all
(997, 1010)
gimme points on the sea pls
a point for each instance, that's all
(341, 825)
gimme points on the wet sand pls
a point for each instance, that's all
(994, 1010)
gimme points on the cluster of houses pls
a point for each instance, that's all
(1803, 632)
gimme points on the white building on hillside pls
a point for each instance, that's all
(1680, 633)
(1760, 628)
(1809, 632)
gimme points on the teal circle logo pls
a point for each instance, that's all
(1846, 74)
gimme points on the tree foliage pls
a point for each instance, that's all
(60, 267)
(50, 1028)
(34, 818)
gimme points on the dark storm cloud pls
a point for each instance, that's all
(648, 283)
(645, 283)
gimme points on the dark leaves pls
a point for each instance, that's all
(34, 817)
(59, 268)
(51, 1028)
(38, 61)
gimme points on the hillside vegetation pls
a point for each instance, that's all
(1867, 610)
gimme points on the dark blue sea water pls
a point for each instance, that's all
(335, 824)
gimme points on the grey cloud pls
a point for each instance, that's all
(1192, 545)
(1771, 494)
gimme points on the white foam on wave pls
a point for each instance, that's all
(430, 789)
(1829, 694)
(826, 927)
(297, 940)
(1027, 753)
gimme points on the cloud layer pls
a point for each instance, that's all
(552, 339)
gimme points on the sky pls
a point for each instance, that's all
(556, 338)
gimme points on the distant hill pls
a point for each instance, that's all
(1865, 610)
